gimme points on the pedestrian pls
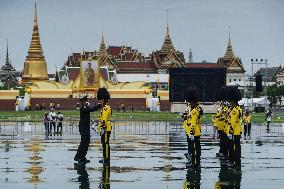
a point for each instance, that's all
(46, 124)
(193, 128)
(60, 118)
(52, 119)
(268, 117)
(105, 126)
(247, 125)
(84, 129)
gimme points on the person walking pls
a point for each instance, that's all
(84, 129)
(247, 125)
(52, 119)
(105, 126)
(60, 118)
(268, 117)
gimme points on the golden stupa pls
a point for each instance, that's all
(35, 68)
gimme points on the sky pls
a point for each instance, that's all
(66, 26)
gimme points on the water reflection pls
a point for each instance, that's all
(229, 177)
(105, 184)
(35, 169)
(83, 176)
(193, 177)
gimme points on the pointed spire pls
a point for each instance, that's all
(167, 45)
(7, 56)
(102, 50)
(190, 56)
(35, 67)
(229, 52)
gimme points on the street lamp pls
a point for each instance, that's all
(259, 62)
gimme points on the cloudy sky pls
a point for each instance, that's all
(67, 26)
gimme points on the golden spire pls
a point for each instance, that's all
(167, 45)
(229, 52)
(103, 50)
(35, 66)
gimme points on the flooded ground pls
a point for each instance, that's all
(143, 155)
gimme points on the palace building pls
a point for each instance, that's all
(234, 66)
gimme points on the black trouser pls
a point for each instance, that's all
(84, 144)
(189, 145)
(230, 149)
(237, 149)
(105, 144)
(196, 151)
(46, 126)
(226, 145)
(221, 137)
(52, 123)
(247, 128)
(59, 125)
(268, 122)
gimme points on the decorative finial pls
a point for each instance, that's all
(168, 30)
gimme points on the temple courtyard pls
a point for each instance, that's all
(143, 155)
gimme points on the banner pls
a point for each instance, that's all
(89, 74)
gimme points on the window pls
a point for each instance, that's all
(239, 79)
(235, 79)
(230, 80)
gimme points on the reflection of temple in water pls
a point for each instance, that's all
(34, 148)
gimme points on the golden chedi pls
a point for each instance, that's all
(35, 68)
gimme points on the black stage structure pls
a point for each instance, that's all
(205, 80)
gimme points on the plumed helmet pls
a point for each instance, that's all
(233, 94)
(191, 95)
(103, 94)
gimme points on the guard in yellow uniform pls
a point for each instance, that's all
(235, 131)
(220, 119)
(105, 127)
(193, 127)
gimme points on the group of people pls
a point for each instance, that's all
(228, 121)
(53, 120)
(104, 126)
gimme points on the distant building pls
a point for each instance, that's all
(271, 75)
(8, 73)
(234, 66)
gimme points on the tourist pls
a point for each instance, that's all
(52, 119)
(247, 125)
(105, 127)
(84, 129)
(268, 117)
(37, 107)
(59, 123)
(57, 106)
(46, 124)
(77, 106)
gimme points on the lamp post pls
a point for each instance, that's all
(259, 62)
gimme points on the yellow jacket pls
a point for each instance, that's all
(105, 118)
(192, 125)
(247, 118)
(236, 120)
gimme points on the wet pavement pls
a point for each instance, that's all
(143, 155)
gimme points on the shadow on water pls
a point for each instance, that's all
(229, 177)
(193, 178)
(83, 176)
(105, 183)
